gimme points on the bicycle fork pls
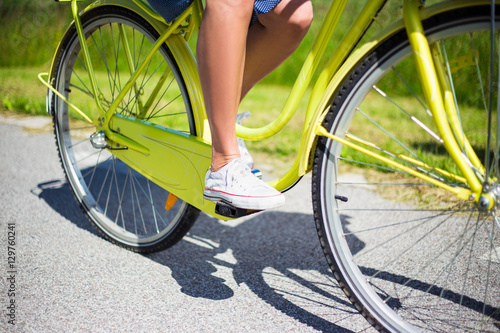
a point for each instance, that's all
(436, 86)
(437, 91)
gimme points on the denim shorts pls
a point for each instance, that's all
(170, 9)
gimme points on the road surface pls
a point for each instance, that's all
(264, 273)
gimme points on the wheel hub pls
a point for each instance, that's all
(98, 140)
(490, 198)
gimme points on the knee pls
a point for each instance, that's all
(290, 18)
(233, 8)
(300, 20)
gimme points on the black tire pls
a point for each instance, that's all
(410, 256)
(127, 208)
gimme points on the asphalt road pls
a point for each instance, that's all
(265, 273)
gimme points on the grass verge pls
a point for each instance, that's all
(22, 93)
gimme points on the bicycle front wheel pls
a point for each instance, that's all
(125, 206)
(409, 255)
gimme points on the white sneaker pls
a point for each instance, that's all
(244, 153)
(235, 184)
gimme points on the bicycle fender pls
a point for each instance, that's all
(153, 18)
(313, 131)
(143, 10)
(177, 45)
(137, 6)
(182, 54)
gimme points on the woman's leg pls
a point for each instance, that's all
(231, 60)
(221, 58)
(273, 38)
(229, 67)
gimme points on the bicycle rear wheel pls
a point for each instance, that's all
(125, 206)
(410, 256)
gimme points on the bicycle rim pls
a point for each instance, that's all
(126, 207)
(409, 255)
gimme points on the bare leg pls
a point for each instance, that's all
(232, 59)
(221, 58)
(273, 38)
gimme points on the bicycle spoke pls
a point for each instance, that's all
(151, 202)
(109, 187)
(413, 118)
(94, 169)
(85, 158)
(119, 194)
(153, 115)
(85, 89)
(388, 134)
(452, 88)
(111, 81)
(78, 143)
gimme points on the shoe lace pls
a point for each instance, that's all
(240, 174)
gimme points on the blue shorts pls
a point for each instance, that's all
(263, 6)
(170, 9)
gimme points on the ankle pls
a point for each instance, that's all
(219, 162)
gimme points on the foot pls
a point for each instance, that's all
(235, 184)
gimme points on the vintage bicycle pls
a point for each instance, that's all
(408, 119)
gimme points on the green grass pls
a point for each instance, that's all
(398, 124)
(265, 102)
(21, 92)
(33, 29)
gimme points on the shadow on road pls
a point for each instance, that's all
(275, 254)
(267, 253)
(58, 195)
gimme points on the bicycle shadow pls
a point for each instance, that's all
(272, 244)
(58, 195)
(267, 253)
(271, 253)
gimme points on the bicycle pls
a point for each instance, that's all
(128, 78)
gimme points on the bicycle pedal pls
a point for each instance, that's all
(257, 173)
(231, 211)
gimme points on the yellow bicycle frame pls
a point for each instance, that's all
(177, 162)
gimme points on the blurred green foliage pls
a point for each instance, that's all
(31, 30)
